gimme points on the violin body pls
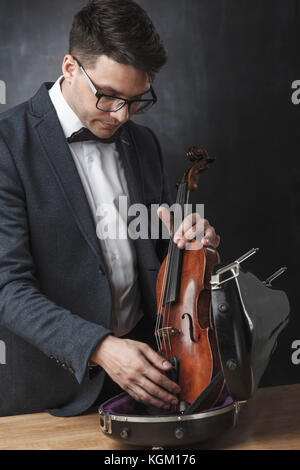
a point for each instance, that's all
(184, 329)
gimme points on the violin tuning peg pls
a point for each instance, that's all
(195, 153)
(200, 170)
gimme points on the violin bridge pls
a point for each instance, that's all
(168, 331)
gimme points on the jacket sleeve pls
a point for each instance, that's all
(24, 310)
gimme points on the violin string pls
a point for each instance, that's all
(164, 328)
(168, 308)
(173, 248)
(181, 198)
(159, 313)
(159, 316)
(159, 326)
(166, 276)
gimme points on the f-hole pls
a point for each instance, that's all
(191, 327)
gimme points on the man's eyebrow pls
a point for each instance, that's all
(109, 89)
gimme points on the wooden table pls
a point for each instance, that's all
(270, 420)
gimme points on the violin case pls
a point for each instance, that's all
(248, 316)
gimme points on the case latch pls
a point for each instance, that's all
(105, 422)
(233, 268)
(238, 404)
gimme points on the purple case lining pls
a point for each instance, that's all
(124, 404)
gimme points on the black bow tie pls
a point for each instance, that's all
(85, 134)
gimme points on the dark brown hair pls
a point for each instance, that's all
(120, 29)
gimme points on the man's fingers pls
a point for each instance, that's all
(192, 227)
(166, 217)
(142, 395)
(154, 375)
(155, 358)
(133, 365)
(145, 383)
(196, 231)
(187, 224)
(211, 238)
(152, 394)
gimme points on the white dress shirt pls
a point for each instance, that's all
(103, 180)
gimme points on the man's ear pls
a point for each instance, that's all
(68, 67)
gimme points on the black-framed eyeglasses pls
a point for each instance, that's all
(112, 104)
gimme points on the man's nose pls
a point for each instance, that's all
(122, 114)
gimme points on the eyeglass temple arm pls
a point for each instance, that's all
(153, 94)
(86, 76)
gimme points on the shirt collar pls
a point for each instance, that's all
(69, 121)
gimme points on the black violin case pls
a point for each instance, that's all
(248, 317)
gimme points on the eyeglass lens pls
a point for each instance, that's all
(110, 104)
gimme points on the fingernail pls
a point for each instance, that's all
(180, 244)
(166, 364)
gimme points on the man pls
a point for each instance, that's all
(76, 309)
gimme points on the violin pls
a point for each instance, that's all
(184, 328)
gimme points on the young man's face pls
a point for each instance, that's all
(109, 77)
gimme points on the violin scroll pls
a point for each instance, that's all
(197, 154)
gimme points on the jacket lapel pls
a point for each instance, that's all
(62, 164)
(129, 156)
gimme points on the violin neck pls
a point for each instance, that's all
(173, 274)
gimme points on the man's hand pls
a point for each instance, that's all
(193, 225)
(138, 370)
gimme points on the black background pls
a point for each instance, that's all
(227, 86)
